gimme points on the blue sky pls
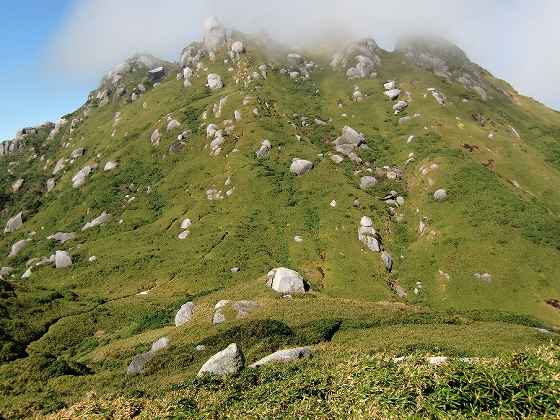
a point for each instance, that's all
(31, 93)
(55, 51)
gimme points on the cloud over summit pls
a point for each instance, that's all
(512, 38)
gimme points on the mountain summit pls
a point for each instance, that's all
(256, 231)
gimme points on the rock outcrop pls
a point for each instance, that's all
(359, 60)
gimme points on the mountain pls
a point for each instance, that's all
(368, 208)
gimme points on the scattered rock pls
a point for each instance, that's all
(18, 247)
(186, 223)
(62, 237)
(337, 159)
(109, 166)
(284, 356)
(286, 281)
(300, 166)
(237, 47)
(51, 183)
(440, 195)
(228, 361)
(485, 277)
(173, 125)
(101, 220)
(215, 82)
(77, 153)
(184, 235)
(80, 178)
(155, 137)
(184, 314)
(17, 185)
(387, 261)
(137, 365)
(59, 166)
(367, 182)
(14, 223)
(264, 150)
(400, 106)
(62, 259)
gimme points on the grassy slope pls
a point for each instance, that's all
(486, 225)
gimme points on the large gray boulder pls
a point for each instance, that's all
(101, 220)
(300, 166)
(214, 34)
(62, 259)
(14, 223)
(286, 281)
(227, 362)
(184, 314)
(17, 247)
(139, 362)
(284, 356)
(62, 237)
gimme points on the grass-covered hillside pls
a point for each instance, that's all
(473, 273)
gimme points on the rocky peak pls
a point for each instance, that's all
(446, 60)
(359, 59)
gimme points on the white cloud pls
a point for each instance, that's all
(515, 39)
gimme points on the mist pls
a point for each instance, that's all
(514, 39)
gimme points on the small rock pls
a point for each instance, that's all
(184, 235)
(214, 82)
(264, 150)
(62, 237)
(155, 137)
(440, 195)
(18, 247)
(173, 125)
(185, 224)
(14, 223)
(387, 261)
(367, 182)
(101, 220)
(109, 166)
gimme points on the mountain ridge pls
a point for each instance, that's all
(417, 215)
